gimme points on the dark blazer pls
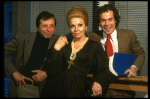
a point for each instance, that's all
(127, 43)
(64, 82)
(20, 47)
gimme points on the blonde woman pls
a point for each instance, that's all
(73, 59)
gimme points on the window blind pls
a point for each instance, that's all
(7, 21)
(60, 10)
(95, 6)
(7, 38)
(134, 16)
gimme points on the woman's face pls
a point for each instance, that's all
(77, 27)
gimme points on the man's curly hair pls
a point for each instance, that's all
(105, 8)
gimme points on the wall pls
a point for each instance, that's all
(20, 17)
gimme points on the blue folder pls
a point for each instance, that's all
(122, 62)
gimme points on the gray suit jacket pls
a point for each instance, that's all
(20, 47)
(127, 43)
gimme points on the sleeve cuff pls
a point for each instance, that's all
(135, 67)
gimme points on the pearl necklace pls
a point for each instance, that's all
(74, 51)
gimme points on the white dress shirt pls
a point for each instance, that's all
(114, 42)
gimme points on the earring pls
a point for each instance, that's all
(86, 32)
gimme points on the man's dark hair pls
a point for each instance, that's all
(105, 8)
(45, 15)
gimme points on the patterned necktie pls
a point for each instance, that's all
(109, 47)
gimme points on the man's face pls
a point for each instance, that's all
(107, 22)
(47, 28)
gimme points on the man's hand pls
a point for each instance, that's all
(132, 71)
(39, 76)
(96, 89)
(61, 42)
(19, 78)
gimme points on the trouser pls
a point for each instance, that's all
(114, 93)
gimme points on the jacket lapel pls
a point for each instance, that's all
(121, 41)
(29, 41)
(52, 40)
(96, 36)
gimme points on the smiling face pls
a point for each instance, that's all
(77, 27)
(46, 28)
(107, 22)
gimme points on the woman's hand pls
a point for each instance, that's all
(61, 42)
(96, 89)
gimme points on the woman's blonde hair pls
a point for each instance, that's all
(77, 11)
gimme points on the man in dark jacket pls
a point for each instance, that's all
(30, 51)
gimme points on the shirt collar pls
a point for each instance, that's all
(113, 35)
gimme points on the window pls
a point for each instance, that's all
(60, 10)
(134, 16)
(7, 21)
(7, 37)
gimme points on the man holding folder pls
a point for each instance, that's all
(117, 40)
